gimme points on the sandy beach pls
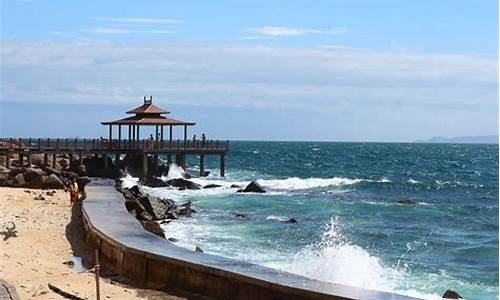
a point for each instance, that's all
(47, 238)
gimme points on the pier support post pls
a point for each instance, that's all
(145, 165)
(105, 157)
(202, 165)
(29, 159)
(222, 166)
(21, 160)
(7, 160)
(70, 159)
(45, 159)
(180, 160)
(54, 160)
(169, 159)
(156, 163)
(117, 159)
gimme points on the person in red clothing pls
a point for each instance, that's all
(73, 192)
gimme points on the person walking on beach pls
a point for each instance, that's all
(73, 192)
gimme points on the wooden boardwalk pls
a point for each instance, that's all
(25, 147)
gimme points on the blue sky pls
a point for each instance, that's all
(280, 70)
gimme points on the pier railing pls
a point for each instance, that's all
(47, 144)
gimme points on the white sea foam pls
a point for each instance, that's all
(128, 181)
(277, 218)
(174, 171)
(336, 260)
(412, 181)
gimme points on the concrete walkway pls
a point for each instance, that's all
(7, 291)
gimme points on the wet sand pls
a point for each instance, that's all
(49, 234)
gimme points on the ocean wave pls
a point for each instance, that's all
(277, 218)
(336, 260)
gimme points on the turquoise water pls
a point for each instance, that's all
(350, 229)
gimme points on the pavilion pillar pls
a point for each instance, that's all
(119, 135)
(222, 166)
(110, 132)
(129, 133)
(45, 159)
(185, 135)
(133, 133)
(156, 136)
(202, 165)
(54, 160)
(138, 136)
(170, 134)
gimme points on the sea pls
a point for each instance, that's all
(351, 228)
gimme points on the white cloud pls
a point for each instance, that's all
(138, 20)
(283, 31)
(128, 31)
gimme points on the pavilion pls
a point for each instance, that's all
(147, 114)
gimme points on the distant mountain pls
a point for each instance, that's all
(484, 139)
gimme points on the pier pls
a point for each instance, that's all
(126, 141)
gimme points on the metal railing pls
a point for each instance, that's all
(39, 144)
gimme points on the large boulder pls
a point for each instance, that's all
(212, 185)
(3, 179)
(82, 181)
(143, 205)
(52, 182)
(15, 170)
(185, 210)
(18, 180)
(4, 170)
(35, 183)
(153, 182)
(407, 201)
(184, 184)
(32, 174)
(252, 187)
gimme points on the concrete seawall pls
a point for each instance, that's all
(127, 249)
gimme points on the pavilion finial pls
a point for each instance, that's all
(148, 101)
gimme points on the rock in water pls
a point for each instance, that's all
(211, 186)
(184, 183)
(235, 186)
(153, 227)
(292, 220)
(240, 216)
(173, 240)
(407, 201)
(153, 182)
(198, 249)
(252, 187)
(449, 294)
(185, 210)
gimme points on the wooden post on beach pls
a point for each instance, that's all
(97, 268)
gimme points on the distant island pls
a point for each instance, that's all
(484, 139)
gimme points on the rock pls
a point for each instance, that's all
(185, 210)
(252, 187)
(52, 182)
(153, 227)
(211, 186)
(35, 183)
(292, 221)
(82, 182)
(155, 207)
(50, 193)
(49, 170)
(184, 183)
(81, 170)
(64, 162)
(173, 240)
(14, 171)
(240, 216)
(68, 174)
(19, 180)
(39, 197)
(3, 179)
(69, 263)
(450, 294)
(4, 170)
(32, 174)
(198, 249)
(153, 182)
(235, 186)
(407, 201)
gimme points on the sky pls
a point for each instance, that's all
(253, 70)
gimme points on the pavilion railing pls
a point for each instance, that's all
(39, 144)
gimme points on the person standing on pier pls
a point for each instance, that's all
(73, 192)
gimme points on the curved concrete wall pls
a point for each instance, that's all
(127, 249)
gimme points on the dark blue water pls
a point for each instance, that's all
(351, 228)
